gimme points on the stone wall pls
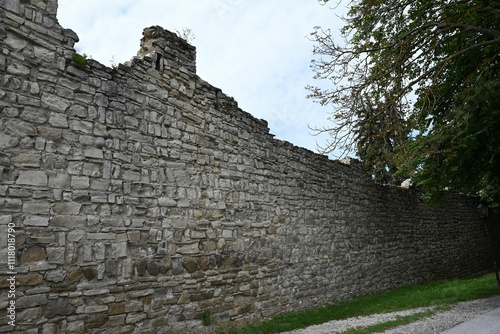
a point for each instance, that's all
(143, 198)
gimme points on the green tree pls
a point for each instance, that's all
(416, 91)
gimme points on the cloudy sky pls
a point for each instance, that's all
(255, 51)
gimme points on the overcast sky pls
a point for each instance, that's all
(255, 51)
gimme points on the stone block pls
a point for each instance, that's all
(134, 236)
(190, 264)
(67, 208)
(69, 221)
(54, 102)
(27, 315)
(198, 235)
(31, 301)
(96, 292)
(50, 134)
(116, 320)
(11, 204)
(227, 234)
(184, 203)
(75, 327)
(34, 115)
(99, 184)
(59, 307)
(36, 207)
(80, 182)
(32, 279)
(128, 268)
(32, 178)
(99, 251)
(93, 152)
(20, 128)
(44, 54)
(119, 249)
(33, 254)
(55, 255)
(81, 126)
(27, 160)
(90, 273)
(56, 276)
(36, 221)
(42, 238)
(86, 252)
(7, 141)
(75, 275)
(133, 318)
(101, 236)
(188, 249)
(62, 181)
(165, 201)
(96, 320)
(58, 120)
(116, 308)
(75, 236)
(96, 309)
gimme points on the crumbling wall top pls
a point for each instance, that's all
(173, 48)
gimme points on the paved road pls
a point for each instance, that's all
(486, 323)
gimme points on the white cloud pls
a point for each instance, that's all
(255, 51)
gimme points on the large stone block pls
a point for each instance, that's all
(39, 207)
(33, 254)
(188, 248)
(55, 103)
(32, 178)
(31, 301)
(27, 160)
(67, 208)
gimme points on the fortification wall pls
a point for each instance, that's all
(143, 198)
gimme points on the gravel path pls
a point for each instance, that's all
(438, 323)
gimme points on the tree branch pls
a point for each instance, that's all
(491, 32)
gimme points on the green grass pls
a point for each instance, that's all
(79, 60)
(441, 293)
(394, 323)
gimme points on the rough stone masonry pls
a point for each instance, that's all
(145, 200)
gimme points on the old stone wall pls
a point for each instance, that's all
(143, 199)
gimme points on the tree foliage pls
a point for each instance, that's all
(416, 91)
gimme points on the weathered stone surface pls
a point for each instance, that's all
(32, 178)
(33, 254)
(56, 276)
(142, 195)
(164, 201)
(75, 236)
(75, 275)
(31, 279)
(60, 181)
(59, 307)
(27, 160)
(190, 248)
(36, 221)
(38, 207)
(54, 102)
(55, 254)
(191, 265)
(90, 273)
(31, 301)
(67, 208)
(75, 327)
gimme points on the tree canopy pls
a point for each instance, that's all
(416, 92)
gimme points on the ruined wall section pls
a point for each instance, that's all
(144, 198)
